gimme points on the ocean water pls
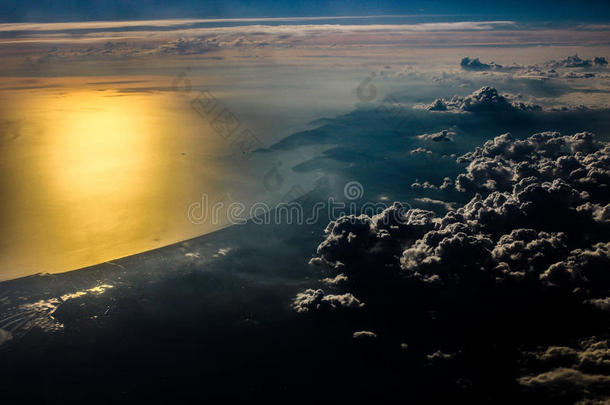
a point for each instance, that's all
(91, 175)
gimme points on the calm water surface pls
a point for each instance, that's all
(91, 175)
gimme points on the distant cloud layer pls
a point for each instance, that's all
(571, 67)
(245, 23)
(316, 31)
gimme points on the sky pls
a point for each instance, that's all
(549, 11)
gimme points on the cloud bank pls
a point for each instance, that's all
(536, 227)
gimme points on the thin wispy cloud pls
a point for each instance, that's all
(171, 23)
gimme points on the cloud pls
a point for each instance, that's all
(525, 259)
(505, 162)
(508, 231)
(567, 382)
(223, 251)
(106, 50)
(5, 336)
(583, 268)
(581, 373)
(439, 356)
(435, 203)
(283, 32)
(475, 64)
(601, 303)
(445, 255)
(421, 151)
(351, 237)
(364, 335)
(335, 281)
(588, 73)
(90, 25)
(121, 49)
(232, 22)
(316, 300)
(526, 251)
(485, 99)
(441, 136)
(425, 185)
(188, 46)
(572, 62)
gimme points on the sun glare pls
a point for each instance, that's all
(97, 175)
(100, 143)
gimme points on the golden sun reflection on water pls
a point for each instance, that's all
(96, 150)
(88, 176)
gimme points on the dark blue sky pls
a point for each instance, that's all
(79, 10)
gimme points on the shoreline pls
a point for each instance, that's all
(3, 283)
